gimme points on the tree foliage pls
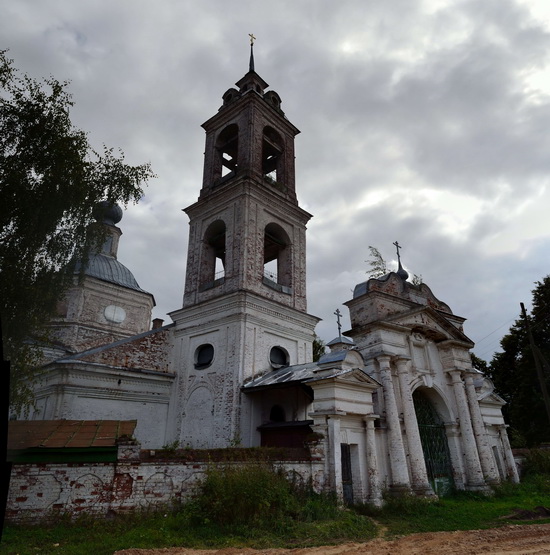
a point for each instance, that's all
(50, 180)
(514, 373)
(378, 266)
(319, 348)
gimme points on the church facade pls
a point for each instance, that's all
(398, 407)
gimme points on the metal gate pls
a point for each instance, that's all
(434, 444)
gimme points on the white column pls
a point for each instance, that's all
(373, 476)
(511, 468)
(335, 457)
(474, 473)
(398, 460)
(419, 474)
(486, 457)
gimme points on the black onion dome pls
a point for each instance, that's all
(107, 212)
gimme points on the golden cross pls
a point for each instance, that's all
(252, 38)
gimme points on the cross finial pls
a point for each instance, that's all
(401, 272)
(251, 63)
(397, 247)
(338, 314)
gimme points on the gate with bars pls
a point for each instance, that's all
(434, 444)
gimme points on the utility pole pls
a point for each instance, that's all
(537, 355)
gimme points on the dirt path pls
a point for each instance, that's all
(512, 540)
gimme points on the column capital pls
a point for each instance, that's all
(402, 362)
(371, 417)
(455, 373)
(384, 360)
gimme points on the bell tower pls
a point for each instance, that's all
(244, 306)
(247, 232)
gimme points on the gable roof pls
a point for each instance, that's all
(310, 372)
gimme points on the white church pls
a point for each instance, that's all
(394, 406)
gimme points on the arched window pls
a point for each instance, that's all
(272, 156)
(277, 256)
(227, 146)
(212, 268)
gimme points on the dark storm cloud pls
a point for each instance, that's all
(418, 124)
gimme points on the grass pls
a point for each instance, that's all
(291, 517)
(462, 510)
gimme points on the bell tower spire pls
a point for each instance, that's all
(251, 63)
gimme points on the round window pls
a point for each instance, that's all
(204, 355)
(115, 314)
(278, 357)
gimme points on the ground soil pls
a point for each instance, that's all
(511, 539)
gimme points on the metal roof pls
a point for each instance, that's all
(289, 374)
(341, 339)
(333, 356)
(26, 434)
(108, 268)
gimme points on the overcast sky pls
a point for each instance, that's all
(426, 122)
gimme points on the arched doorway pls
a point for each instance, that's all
(434, 444)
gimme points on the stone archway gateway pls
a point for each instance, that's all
(434, 444)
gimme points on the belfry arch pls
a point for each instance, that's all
(213, 254)
(227, 148)
(272, 156)
(277, 255)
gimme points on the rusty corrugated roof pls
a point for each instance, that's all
(49, 434)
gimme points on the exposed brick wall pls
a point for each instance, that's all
(152, 352)
(39, 491)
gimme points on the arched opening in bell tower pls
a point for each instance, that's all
(212, 269)
(277, 256)
(227, 146)
(272, 156)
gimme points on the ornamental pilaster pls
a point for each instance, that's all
(486, 457)
(398, 460)
(474, 472)
(335, 457)
(511, 468)
(419, 474)
(373, 474)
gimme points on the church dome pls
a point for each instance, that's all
(107, 212)
(109, 269)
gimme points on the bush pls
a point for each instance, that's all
(537, 461)
(245, 494)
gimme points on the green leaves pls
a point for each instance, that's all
(377, 263)
(50, 180)
(514, 373)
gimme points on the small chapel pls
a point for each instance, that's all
(394, 406)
